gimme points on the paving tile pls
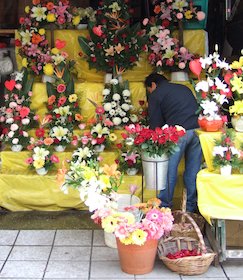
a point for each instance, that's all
(98, 239)
(108, 270)
(35, 237)
(213, 272)
(233, 268)
(30, 253)
(67, 269)
(4, 251)
(204, 278)
(104, 254)
(1, 264)
(7, 237)
(22, 278)
(73, 237)
(23, 269)
(159, 272)
(65, 253)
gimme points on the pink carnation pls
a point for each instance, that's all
(61, 88)
(200, 15)
(54, 159)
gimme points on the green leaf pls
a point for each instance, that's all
(84, 44)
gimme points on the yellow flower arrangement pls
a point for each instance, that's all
(237, 108)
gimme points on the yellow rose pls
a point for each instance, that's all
(76, 20)
(55, 50)
(24, 62)
(27, 9)
(48, 69)
(42, 31)
(51, 18)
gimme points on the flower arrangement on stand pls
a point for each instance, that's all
(63, 106)
(225, 155)
(112, 41)
(211, 92)
(235, 80)
(16, 116)
(38, 55)
(42, 159)
(117, 102)
(81, 16)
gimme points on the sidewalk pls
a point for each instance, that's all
(80, 254)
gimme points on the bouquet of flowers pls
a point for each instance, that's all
(170, 12)
(97, 185)
(37, 54)
(213, 91)
(117, 102)
(42, 159)
(154, 142)
(138, 223)
(112, 42)
(16, 116)
(165, 53)
(224, 151)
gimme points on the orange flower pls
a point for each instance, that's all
(91, 121)
(51, 99)
(157, 9)
(59, 73)
(50, 6)
(36, 39)
(36, 2)
(111, 170)
(78, 117)
(48, 141)
(61, 174)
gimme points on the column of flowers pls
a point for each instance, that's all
(167, 53)
(16, 116)
(63, 107)
(211, 92)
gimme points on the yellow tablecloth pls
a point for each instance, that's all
(207, 142)
(195, 40)
(220, 197)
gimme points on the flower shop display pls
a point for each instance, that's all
(117, 102)
(225, 154)
(211, 92)
(16, 116)
(63, 107)
(155, 147)
(112, 41)
(137, 231)
(42, 159)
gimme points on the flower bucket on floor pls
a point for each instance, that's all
(135, 259)
(155, 171)
(124, 200)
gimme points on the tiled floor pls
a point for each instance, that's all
(80, 254)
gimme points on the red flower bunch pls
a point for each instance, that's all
(155, 142)
(184, 253)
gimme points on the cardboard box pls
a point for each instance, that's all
(234, 233)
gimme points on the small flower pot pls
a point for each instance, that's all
(132, 171)
(226, 170)
(99, 148)
(60, 148)
(41, 171)
(16, 148)
(179, 76)
(82, 26)
(210, 126)
(237, 123)
(46, 78)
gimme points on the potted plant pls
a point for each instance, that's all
(225, 155)
(137, 231)
(155, 147)
(42, 159)
(211, 92)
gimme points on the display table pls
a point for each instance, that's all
(219, 197)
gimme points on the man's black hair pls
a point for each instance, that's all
(154, 77)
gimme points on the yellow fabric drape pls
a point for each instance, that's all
(207, 142)
(220, 197)
(194, 40)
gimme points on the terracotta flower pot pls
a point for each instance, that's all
(135, 259)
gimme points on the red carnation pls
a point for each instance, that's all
(40, 132)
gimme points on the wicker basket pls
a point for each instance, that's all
(183, 228)
(191, 265)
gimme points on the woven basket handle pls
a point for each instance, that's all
(199, 234)
(183, 204)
